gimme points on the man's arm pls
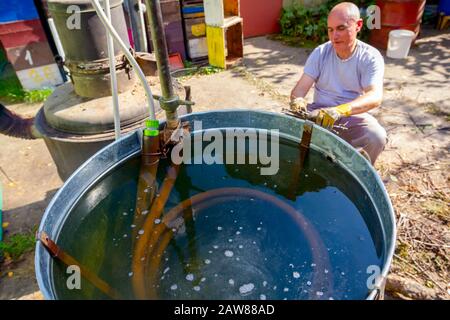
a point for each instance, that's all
(302, 87)
(372, 97)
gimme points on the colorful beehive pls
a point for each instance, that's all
(26, 45)
(224, 32)
(195, 29)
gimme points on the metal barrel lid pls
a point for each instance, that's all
(67, 112)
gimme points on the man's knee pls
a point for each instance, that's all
(378, 136)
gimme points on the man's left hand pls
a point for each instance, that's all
(328, 116)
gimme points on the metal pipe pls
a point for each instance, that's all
(112, 71)
(169, 102)
(143, 32)
(129, 56)
(59, 47)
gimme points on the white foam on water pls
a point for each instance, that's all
(308, 283)
(296, 275)
(130, 274)
(125, 235)
(230, 240)
(313, 265)
(285, 289)
(144, 212)
(241, 246)
(210, 251)
(173, 287)
(237, 259)
(196, 288)
(157, 221)
(262, 297)
(240, 228)
(238, 232)
(203, 279)
(219, 228)
(231, 211)
(166, 270)
(125, 213)
(190, 277)
(343, 273)
(207, 261)
(274, 287)
(141, 231)
(275, 186)
(259, 228)
(231, 281)
(228, 253)
(216, 247)
(326, 271)
(246, 288)
(133, 226)
(319, 293)
(264, 283)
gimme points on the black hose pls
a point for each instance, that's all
(13, 125)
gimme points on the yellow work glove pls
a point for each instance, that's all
(328, 116)
(298, 105)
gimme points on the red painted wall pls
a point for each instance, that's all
(261, 16)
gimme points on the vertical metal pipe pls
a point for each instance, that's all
(162, 61)
(142, 31)
(112, 71)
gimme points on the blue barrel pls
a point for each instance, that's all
(101, 181)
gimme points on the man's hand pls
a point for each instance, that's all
(328, 116)
(298, 105)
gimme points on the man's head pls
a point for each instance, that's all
(344, 23)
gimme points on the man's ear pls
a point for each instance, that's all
(359, 25)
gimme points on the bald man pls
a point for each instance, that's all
(348, 78)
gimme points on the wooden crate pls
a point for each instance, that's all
(218, 13)
(225, 45)
(28, 51)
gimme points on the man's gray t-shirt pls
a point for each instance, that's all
(340, 81)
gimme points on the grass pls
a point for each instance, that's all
(435, 110)
(17, 245)
(11, 92)
(192, 70)
(296, 42)
(438, 208)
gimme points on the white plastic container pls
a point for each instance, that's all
(399, 43)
